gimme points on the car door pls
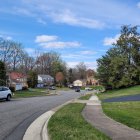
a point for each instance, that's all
(5, 92)
(2, 93)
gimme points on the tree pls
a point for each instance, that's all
(81, 70)
(50, 63)
(27, 64)
(2, 74)
(120, 67)
(11, 54)
(59, 78)
(32, 79)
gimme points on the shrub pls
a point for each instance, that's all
(12, 89)
(25, 88)
(82, 88)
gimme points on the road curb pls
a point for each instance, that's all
(38, 128)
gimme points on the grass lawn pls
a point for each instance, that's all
(120, 92)
(68, 124)
(127, 113)
(30, 93)
(85, 97)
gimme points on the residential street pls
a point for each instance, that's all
(18, 114)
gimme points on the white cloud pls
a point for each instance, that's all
(92, 65)
(88, 52)
(90, 13)
(6, 37)
(23, 11)
(66, 16)
(29, 50)
(47, 41)
(45, 38)
(60, 44)
(138, 4)
(41, 21)
(108, 41)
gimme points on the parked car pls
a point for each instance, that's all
(88, 88)
(70, 86)
(52, 88)
(77, 89)
(5, 93)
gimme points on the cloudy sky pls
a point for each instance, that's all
(80, 30)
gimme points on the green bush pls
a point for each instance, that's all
(97, 87)
(12, 89)
(25, 88)
(82, 88)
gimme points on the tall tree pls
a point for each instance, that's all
(120, 67)
(32, 79)
(81, 70)
(59, 78)
(2, 74)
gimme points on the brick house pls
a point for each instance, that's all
(17, 80)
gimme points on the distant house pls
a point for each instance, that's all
(45, 80)
(17, 80)
(78, 83)
(91, 80)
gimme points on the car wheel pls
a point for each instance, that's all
(8, 98)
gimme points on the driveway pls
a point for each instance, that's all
(18, 114)
(123, 98)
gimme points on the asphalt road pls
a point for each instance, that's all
(18, 114)
(124, 98)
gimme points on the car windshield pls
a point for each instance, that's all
(0, 88)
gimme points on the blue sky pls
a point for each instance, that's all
(81, 31)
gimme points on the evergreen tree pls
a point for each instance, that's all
(32, 79)
(120, 67)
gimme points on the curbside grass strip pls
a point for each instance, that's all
(44, 132)
(38, 129)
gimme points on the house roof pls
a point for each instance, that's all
(16, 75)
(77, 81)
(45, 76)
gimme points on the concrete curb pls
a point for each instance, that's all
(38, 129)
(44, 132)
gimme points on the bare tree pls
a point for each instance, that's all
(27, 64)
(5, 50)
(17, 55)
(81, 70)
(49, 63)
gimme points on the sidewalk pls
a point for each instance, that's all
(94, 115)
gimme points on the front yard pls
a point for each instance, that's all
(120, 92)
(32, 93)
(127, 113)
(85, 97)
(68, 124)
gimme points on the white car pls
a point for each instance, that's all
(88, 88)
(5, 93)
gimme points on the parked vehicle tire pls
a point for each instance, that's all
(8, 97)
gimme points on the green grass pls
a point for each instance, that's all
(127, 113)
(63, 88)
(85, 97)
(38, 89)
(120, 92)
(68, 124)
(28, 93)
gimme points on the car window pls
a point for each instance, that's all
(4, 89)
(0, 88)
